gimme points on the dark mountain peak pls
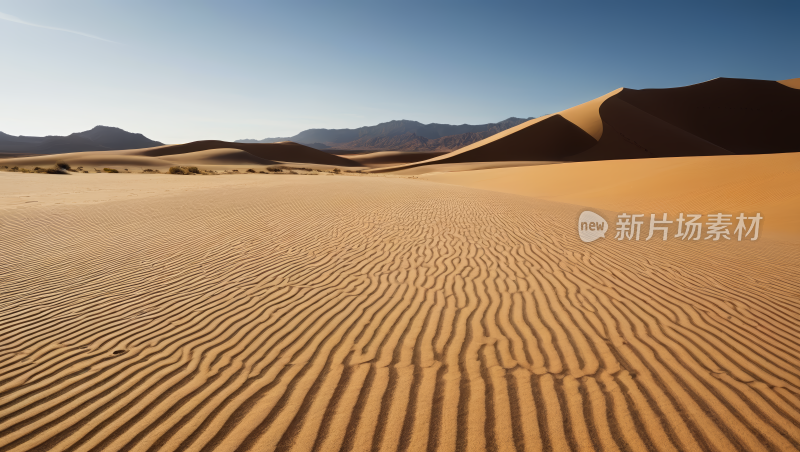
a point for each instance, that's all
(116, 138)
(397, 134)
(99, 138)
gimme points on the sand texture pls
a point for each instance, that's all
(154, 312)
(729, 184)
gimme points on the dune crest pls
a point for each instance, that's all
(587, 115)
(791, 83)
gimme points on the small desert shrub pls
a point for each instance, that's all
(193, 170)
(55, 170)
(110, 170)
(175, 170)
(274, 170)
(336, 171)
(251, 170)
(63, 165)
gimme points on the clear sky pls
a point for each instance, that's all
(180, 71)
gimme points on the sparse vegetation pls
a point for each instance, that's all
(336, 171)
(63, 165)
(275, 169)
(251, 170)
(186, 170)
(110, 170)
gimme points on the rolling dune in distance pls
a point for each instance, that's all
(361, 312)
(209, 153)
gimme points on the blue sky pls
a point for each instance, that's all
(180, 71)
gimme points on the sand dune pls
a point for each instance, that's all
(98, 159)
(390, 158)
(718, 117)
(197, 153)
(740, 183)
(217, 157)
(366, 313)
(459, 167)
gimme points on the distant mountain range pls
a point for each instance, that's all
(402, 135)
(101, 138)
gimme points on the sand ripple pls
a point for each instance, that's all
(353, 314)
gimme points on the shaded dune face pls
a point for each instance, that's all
(740, 116)
(631, 133)
(553, 138)
(384, 314)
(550, 138)
(719, 117)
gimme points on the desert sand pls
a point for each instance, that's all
(359, 312)
(733, 183)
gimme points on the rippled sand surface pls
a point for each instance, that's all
(363, 313)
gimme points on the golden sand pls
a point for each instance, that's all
(260, 312)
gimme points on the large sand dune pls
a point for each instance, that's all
(719, 117)
(366, 313)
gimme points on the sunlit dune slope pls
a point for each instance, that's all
(353, 313)
(98, 159)
(216, 157)
(391, 158)
(728, 184)
(719, 117)
(791, 83)
(199, 153)
(286, 151)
